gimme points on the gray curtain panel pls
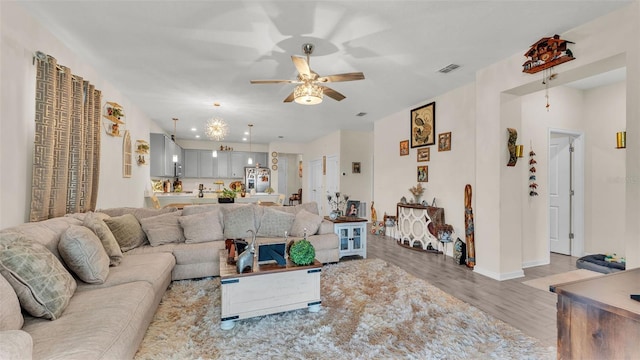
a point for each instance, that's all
(66, 150)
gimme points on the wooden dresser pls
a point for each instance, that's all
(597, 319)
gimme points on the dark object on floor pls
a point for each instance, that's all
(597, 263)
(460, 252)
(635, 297)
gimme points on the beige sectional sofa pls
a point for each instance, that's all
(102, 311)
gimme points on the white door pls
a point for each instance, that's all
(560, 194)
(283, 167)
(332, 174)
(315, 175)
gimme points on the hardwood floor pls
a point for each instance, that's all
(531, 310)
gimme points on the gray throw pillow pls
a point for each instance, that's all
(95, 222)
(163, 229)
(41, 282)
(202, 227)
(305, 220)
(274, 223)
(83, 253)
(127, 231)
(238, 221)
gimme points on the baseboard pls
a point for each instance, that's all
(529, 264)
(498, 276)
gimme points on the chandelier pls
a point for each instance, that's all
(308, 94)
(216, 129)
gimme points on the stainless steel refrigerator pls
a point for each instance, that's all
(257, 178)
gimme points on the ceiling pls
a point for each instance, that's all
(174, 59)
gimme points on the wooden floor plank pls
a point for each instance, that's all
(531, 310)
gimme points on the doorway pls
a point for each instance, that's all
(566, 192)
(315, 184)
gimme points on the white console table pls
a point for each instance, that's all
(413, 226)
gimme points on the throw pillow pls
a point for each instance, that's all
(311, 207)
(237, 222)
(10, 314)
(163, 229)
(41, 282)
(95, 222)
(305, 220)
(274, 223)
(83, 253)
(202, 227)
(127, 231)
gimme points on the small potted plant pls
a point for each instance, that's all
(302, 252)
(226, 196)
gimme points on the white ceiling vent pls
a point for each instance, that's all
(449, 68)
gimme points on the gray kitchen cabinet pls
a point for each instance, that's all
(206, 163)
(191, 163)
(238, 163)
(222, 165)
(162, 155)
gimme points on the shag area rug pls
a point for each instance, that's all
(370, 310)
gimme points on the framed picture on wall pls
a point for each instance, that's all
(424, 154)
(423, 173)
(423, 125)
(404, 147)
(444, 141)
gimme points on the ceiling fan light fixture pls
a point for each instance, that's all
(308, 94)
(216, 129)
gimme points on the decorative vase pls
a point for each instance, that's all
(417, 199)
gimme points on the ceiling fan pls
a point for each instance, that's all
(310, 90)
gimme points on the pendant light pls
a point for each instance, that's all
(250, 160)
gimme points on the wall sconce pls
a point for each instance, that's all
(519, 151)
(621, 140)
(175, 158)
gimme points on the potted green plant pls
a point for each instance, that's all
(302, 252)
(226, 196)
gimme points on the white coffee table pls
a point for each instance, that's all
(269, 289)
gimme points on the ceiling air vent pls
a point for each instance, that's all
(449, 68)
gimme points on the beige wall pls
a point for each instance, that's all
(449, 171)
(21, 37)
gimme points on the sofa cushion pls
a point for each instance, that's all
(45, 232)
(306, 220)
(163, 229)
(83, 253)
(202, 227)
(238, 221)
(41, 282)
(127, 231)
(139, 213)
(275, 223)
(154, 269)
(198, 209)
(10, 314)
(106, 323)
(95, 222)
(16, 345)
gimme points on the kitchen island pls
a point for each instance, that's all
(191, 198)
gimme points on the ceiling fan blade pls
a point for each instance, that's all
(274, 81)
(342, 77)
(289, 98)
(332, 93)
(302, 66)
